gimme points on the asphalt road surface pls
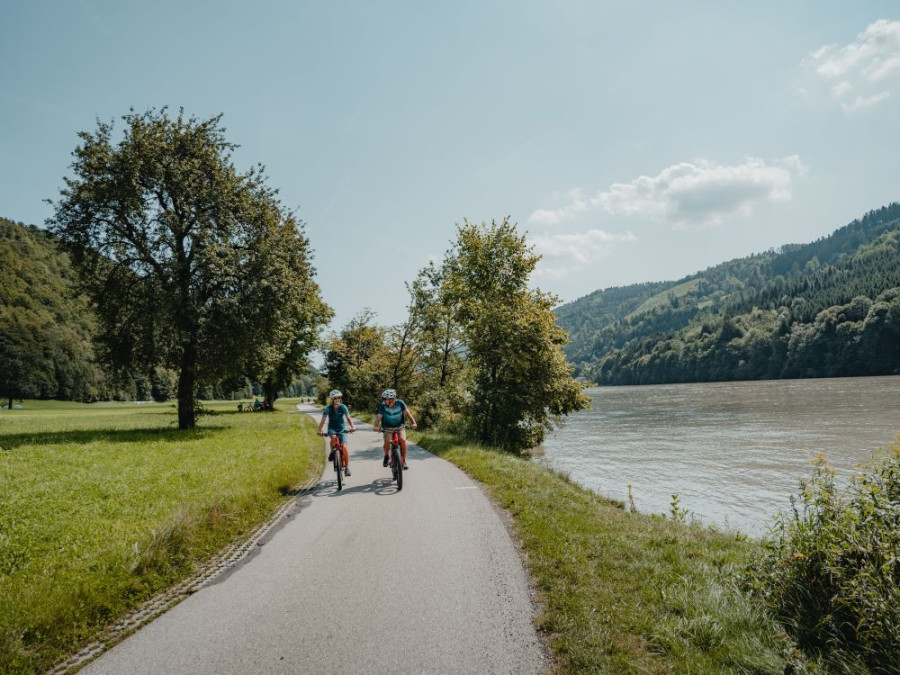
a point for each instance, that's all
(366, 580)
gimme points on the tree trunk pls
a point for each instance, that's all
(10, 403)
(186, 383)
(270, 392)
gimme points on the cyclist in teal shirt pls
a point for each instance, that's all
(389, 416)
(335, 414)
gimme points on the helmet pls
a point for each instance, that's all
(334, 393)
(389, 393)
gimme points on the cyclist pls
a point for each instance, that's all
(335, 414)
(389, 416)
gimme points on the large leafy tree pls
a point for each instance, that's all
(522, 384)
(190, 264)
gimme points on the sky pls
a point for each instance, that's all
(632, 141)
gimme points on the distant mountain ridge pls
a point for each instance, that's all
(827, 308)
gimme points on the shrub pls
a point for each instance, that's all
(830, 570)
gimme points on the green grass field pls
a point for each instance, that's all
(104, 505)
(625, 592)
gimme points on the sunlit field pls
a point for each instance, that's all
(104, 505)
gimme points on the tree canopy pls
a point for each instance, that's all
(522, 383)
(189, 263)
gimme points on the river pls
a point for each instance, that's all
(731, 451)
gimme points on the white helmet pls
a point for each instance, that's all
(334, 393)
(389, 393)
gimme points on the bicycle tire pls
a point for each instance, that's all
(338, 468)
(398, 468)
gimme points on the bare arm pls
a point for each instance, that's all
(377, 422)
(412, 422)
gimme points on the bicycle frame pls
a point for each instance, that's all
(337, 449)
(395, 461)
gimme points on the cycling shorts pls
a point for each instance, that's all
(389, 432)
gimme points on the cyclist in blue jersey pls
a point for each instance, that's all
(334, 415)
(389, 416)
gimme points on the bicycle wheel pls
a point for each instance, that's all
(339, 469)
(398, 468)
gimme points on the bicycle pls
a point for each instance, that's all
(394, 460)
(337, 455)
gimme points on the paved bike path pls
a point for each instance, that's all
(366, 580)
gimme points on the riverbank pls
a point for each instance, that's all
(624, 592)
(105, 505)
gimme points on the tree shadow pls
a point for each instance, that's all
(85, 436)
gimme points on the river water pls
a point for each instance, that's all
(731, 451)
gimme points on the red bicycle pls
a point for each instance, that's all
(395, 462)
(337, 456)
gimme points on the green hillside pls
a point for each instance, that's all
(46, 329)
(824, 309)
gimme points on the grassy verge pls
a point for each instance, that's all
(625, 592)
(104, 505)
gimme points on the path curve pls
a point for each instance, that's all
(366, 580)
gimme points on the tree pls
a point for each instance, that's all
(522, 384)
(190, 264)
(358, 361)
(441, 367)
(25, 369)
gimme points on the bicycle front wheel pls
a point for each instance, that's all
(339, 469)
(398, 468)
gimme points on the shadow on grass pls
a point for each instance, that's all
(84, 436)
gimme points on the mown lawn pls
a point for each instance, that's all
(104, 505)
(625, 592)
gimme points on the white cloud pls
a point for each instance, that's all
(576, 205)
(692, 194)
(842, 88)
(862, 102)
(870, 64)
(562, 254)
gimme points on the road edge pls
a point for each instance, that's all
(224, 562)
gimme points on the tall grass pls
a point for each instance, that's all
(104, 505)
(830, 570)
(625, 592)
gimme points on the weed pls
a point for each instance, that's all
(830, 570)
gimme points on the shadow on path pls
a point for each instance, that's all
(380, 486)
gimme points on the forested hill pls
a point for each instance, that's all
(46, 329)
(824, 309)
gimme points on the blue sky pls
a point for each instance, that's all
(633, 141)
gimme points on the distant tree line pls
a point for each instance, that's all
(825, 309)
